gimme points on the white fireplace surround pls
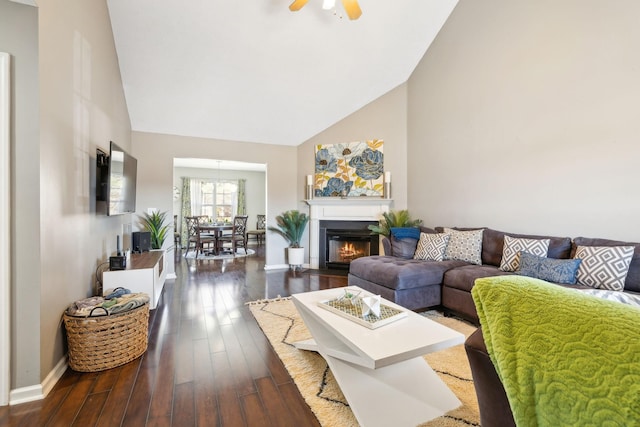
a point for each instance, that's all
(339, 209)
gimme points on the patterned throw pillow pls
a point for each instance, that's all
(622, 297)
(604, 267)
(549, 269)
(464, 245)
(513, 246)
(431, 247)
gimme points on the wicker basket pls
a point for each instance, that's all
(104, 342)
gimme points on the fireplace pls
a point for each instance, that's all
(357, 211)
(343, 241)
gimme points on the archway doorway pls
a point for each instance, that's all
(219, 189)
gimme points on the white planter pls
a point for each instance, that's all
(296, 256)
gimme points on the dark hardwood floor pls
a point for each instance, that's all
(207, 364)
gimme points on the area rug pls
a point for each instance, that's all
(281, 323)
(240, 252)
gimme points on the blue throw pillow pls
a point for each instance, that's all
(404, 241)
(405, 232)
(549, 269)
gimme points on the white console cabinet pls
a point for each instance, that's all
(145, 272)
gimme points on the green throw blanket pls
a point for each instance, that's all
(565, 359)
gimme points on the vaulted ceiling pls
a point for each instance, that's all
(254, 71)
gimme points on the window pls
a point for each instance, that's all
(225, 196)
(217, 199)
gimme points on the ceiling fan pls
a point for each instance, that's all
(350, 6)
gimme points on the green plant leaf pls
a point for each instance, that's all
(291, 226)
(400, 218)
(154, 223)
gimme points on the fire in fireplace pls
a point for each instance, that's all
(343, 241)
(344, 247)
(348, 252)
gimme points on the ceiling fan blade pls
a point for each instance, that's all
(352, 8)
(297, 5)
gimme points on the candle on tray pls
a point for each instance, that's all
(309, 180)
(387, 177)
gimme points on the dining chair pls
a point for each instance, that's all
(260, 230)
(238, 236)
(197, 239)
(204, 219)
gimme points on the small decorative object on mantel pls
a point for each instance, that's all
(387, 185)
(354, 169)
(309, 187)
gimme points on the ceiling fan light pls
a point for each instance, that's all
(328, 4)
(297, 5)
(352, 8)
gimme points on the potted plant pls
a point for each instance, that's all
(291, 225)
(394, 219)
(154, 223)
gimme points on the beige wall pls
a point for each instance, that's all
(386, 119)
(523, 116)
(82, 106)
(155, 154)
(19, 37)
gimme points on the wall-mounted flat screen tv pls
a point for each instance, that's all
(121, 193)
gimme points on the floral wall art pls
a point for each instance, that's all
(351, 169)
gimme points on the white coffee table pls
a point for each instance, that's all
(381, 371)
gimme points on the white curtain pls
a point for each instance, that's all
(196, 197)
(234, 202)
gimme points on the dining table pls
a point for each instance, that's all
(216, 230)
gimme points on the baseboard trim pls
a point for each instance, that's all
(282, 266)
(56, 373)
(171, 276)
(39, 391)
(276, 267)
(26, 394)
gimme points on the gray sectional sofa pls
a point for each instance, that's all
(417, 284)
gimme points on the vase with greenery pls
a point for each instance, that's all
(291, 225)
(154, 223)
(391, 219)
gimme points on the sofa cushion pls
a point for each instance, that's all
(403, 248)
(463, 278)
(549, 269)
(464, 245)
(632, 282)
(604, 267)
(514, 245)
(431, 247)
(493, 245)
(396, 273)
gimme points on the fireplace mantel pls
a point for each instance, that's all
(340, 209)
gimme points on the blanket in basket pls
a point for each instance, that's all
(99, 306)
(565, 358)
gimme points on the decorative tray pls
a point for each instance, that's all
(353, 311)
